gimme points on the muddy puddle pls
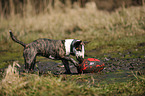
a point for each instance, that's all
(119, 67)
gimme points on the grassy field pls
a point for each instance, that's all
(118, 31)
(33, 84)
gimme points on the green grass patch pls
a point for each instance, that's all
(7, 57)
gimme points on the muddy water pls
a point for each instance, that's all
(49, 66)
(119, 67)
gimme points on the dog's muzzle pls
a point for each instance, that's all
(79, 54)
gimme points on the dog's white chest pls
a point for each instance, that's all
(68, 45)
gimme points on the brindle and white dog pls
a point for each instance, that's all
(53, 49)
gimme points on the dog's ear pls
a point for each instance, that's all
(78, 43)
(81, 43)
(86, 42)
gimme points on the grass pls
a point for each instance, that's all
(109, 32)
(33, 84)
(99, 27)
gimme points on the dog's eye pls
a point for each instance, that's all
(78, 49)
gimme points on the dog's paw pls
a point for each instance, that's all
(76, 64)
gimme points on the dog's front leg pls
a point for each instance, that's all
(66, 65)
(71, 60)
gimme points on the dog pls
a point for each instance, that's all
(53, 49)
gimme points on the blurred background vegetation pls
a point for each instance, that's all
(25, 7)
(100, 21)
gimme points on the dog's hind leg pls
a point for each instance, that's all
(32, 65)
(66, 65)
(30, 59)
(29, 63)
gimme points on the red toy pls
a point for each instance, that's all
(91, 65)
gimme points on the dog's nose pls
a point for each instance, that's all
(80, 57)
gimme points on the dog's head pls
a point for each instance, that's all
(76, 48)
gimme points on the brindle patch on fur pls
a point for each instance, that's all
(43, 47)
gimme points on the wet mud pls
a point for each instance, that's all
(127, 61)
(122, 62)
(131, 64)
(119, 67)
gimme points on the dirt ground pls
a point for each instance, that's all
(118, 67)
(124, 63)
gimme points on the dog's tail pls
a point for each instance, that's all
(15, 39)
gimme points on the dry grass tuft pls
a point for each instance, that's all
(12, 81)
